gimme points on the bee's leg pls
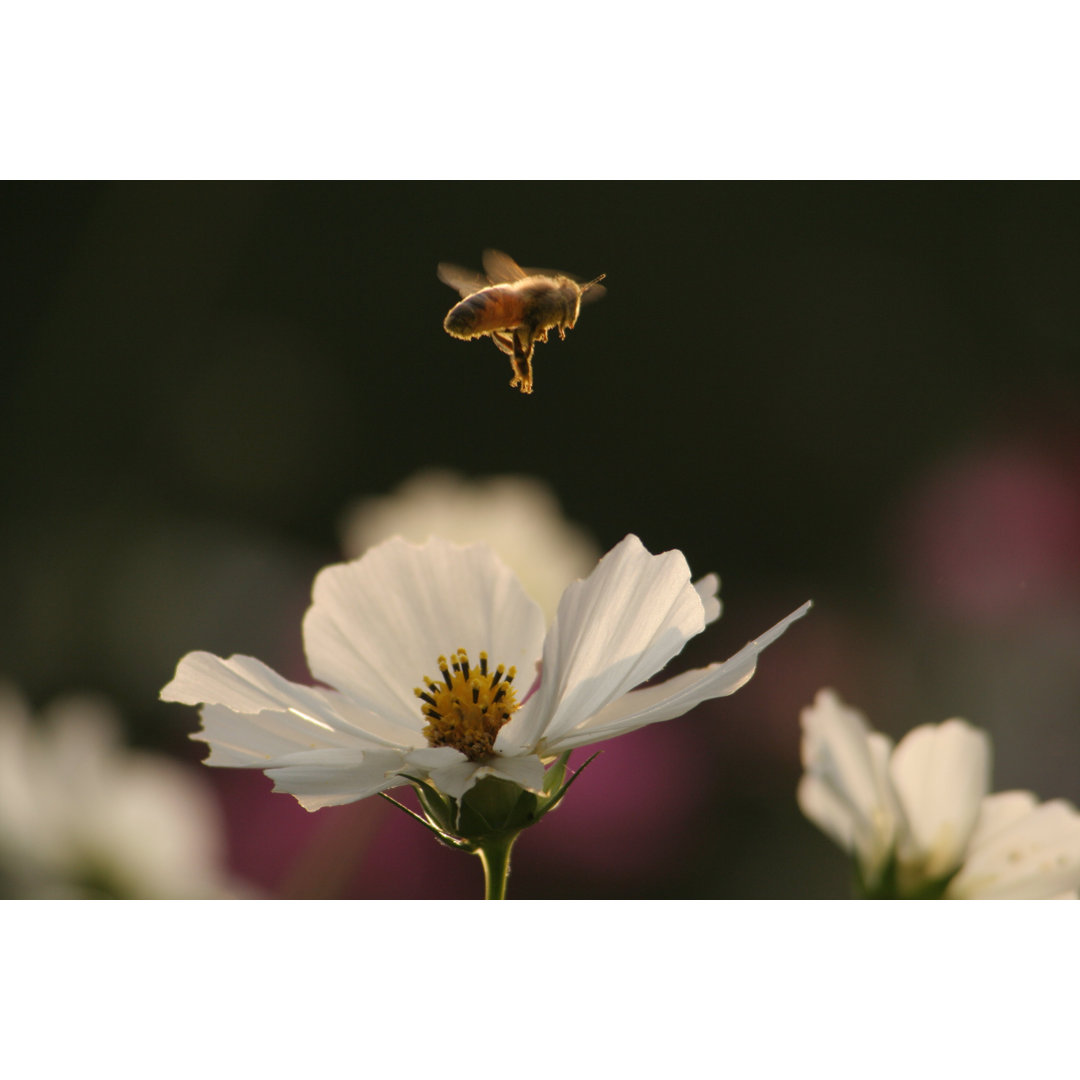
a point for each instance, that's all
(503, 343)
(521, 361)
(523, 376)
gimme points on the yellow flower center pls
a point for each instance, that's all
(466, 709)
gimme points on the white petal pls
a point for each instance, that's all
(240, 683)
(844, 756)
(666, 700)
(247, 686)
(835, 745)
(707, 589)
(453, 774)
(613, 631)
(1035, 857)
(941, 773)
(832, 814)
(454, 780)
(998, 812)
(241, 740)
(319, 778)
(428, 758)
(457, 778)
(528, 770)
(378, 625)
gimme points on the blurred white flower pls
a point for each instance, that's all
(1021, 849)
(420, 645)
(82, 816)
(917, 818)
(517, 516)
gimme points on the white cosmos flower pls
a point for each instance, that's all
(390, 625)
(82, 815)
(917, 816)
(1021, 849)
(518, 516)
(845, 789)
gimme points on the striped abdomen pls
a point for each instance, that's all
(499, 307)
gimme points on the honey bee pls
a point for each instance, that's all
(516, 307)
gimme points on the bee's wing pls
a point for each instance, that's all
(499, 267)
(465, 281)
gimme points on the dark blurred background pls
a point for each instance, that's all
(863, 393)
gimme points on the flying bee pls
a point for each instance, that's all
(516, 307)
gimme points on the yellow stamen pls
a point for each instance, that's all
(467, 709)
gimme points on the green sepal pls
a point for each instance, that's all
(493, 811)
(439, 808)
(880, 887)
(888, 885)
(931, 890)
(555, 799)
(553, 778)
(439, 835)
(494, 807)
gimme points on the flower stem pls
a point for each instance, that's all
(495, 855)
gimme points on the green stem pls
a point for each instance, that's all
(495, 855)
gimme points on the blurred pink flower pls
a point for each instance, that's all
(992, 534)
(628, 819)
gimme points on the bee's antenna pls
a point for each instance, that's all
(595, 281)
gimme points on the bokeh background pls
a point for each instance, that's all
(863, 393)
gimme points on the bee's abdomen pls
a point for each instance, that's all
(496, 308)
